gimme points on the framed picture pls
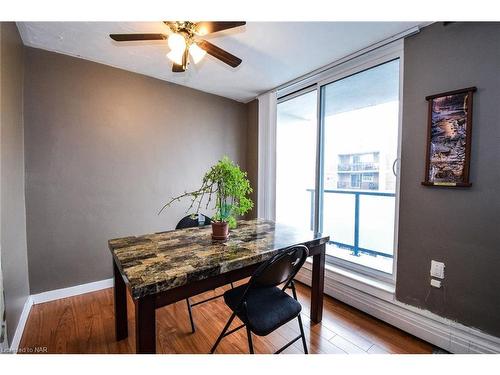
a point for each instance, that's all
(449, 138)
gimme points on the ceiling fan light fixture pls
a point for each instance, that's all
(196, 53)
(202, 30)
(176, 56)
(177, 43)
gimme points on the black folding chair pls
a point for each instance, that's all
(193, 221)
(261, 305)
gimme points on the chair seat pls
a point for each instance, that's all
(267, 308)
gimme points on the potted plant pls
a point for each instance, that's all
(225, 186)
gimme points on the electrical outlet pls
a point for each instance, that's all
(437, 269)
(436, 283)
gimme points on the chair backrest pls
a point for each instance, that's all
(193, 221)
(281, 268)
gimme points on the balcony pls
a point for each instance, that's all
(358, 167)
(361, 226)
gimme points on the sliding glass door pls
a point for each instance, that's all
(296, 159)
(348, 172)
(360, 117)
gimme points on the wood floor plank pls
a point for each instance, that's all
(85, 324)
(377, 350)
(346, 345)
(364, 330)
(335, 322)
(315, 342)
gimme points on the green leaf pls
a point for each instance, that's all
(227, 187)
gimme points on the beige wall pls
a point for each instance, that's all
(13, 220)
(105, 148)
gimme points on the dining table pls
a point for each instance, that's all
(162, 268)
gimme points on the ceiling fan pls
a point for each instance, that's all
(184, 42)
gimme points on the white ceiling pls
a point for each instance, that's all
(273, 52)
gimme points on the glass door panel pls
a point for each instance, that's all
(296, 130)
(338, 217)
(361, 120)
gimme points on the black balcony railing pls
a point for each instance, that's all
(355, 248)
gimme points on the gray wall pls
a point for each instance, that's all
(105, 148)
(13, 220)
(457, 226)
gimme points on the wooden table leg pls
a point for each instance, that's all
(145, 325)
(120, 295)
(318, 283)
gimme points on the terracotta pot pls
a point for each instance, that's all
(220, 230)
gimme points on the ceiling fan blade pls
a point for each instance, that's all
(207, 27)
(219, 53)
(136, 37)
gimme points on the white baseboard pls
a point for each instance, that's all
(18, 334)
(444, 333)
(51, 296)
(76, 290)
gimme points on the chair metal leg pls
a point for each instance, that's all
(222, 334)
(190, 315)
(294, 292)
(190, 306)
(250, 343)
(302, 334)
(301, 327)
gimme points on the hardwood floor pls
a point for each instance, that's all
(85, 324)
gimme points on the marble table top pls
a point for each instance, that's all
(158, 262)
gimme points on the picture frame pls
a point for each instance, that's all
(449, 136)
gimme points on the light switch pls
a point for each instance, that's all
(437, 269)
